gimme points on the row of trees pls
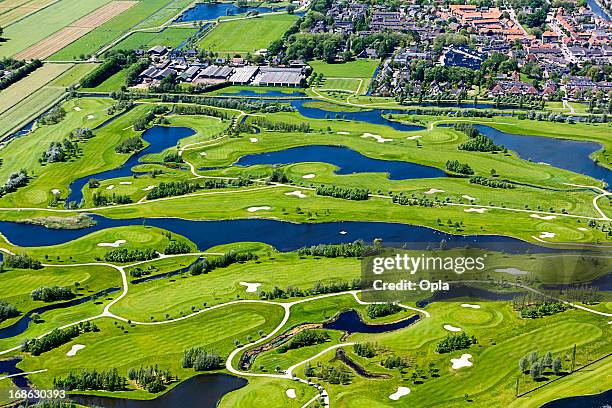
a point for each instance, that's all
(354, 249)
(484, 181)
(108, 380)
(532, 307)
(230, 103)
(303, 339)
(172, 188)
(201, 110)
(317, 289)
(52, 293)
(19, 73)
(7, 311)
(422, 201)
(122, 255)
(331, 373)
(54, 116)
(346, 193)
(267, 124)
(101, 200)
(455, 342)
(201, 359)
(129, 145)
(222, 261)
(60, 151)
(57, 337)
(177, 247)
(114, 61)
(15, 180)
(21, 261)
(536, 365)
(382, 309)
(367, 350)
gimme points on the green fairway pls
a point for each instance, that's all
(246, 36)
(361, 68)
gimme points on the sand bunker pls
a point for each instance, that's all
(545, 164)
(74, 349)
(76, 108)
(477, 210)
(401, 391)
(290, 393)
(433, 191)
(254, 209)
(90, 116)
(308, 176)
(582, 229)
(251, 287)
(343, 232)
(543, 217)
(110, 187)
(461, 362)
(344, 133)
(254, 140)
(296, 193)
(512, 271)
(452, 328)
(125, 183)
(467, 197)
(414, 137)
(378, 138)
(115, 244)
(546, 234)
(148, 188)
(55, 191)
(202, 153)
(470, 306)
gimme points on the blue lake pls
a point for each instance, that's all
(603, 400)
(565, 154)
(350, 321)
(596, 8)
(284, 236)
(212, 11)
(347, 160)
(159, 139)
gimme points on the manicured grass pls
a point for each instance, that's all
(40, 25)
(171, 37)
(268, 392)
(243, 36)
(361, 68)
(163, 345)
(73, 75)
(23, 88)
(349, 84)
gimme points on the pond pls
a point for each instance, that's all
(603, 400)
(202, 391)
(159, 138)
(347, 160)
(350, 321)
(572, 155)
(212, 11)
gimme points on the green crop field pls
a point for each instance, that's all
(246, 36)
(171, 37)
(361, 68)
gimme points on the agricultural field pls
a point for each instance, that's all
(246, 36)
(170, 237)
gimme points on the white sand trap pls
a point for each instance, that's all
(296, 193)
(470, 306)
(543, 163)
(344, 133)
(308, 176)
(251, 287)
(343, 232)
(55, 191)
(476, 210)
(414, 137)
(76, 108)
(254, 140)
(582, 229)
(255, 209)
(546, 234)
(467, 197)
(290, 393)
(115, 244)
(90, 116)
(543, 217)
(512, 271)
(452, 328)
(110, 187)
(433, 191)
(74, 349)
(463, 361)
(378, 138)
(401, 391)
(203, 154)
(125, 183)
(148, 188)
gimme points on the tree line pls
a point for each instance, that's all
(533, 307)
(52, 293)
(346, 193)
(401, 199)
(317, 289)
(382, 309)
(129, 145)
(122, 255)
(201, 110)
(54, 116)
(303, 339)
(355, 249)
(230, 103)
(150, 378)
(15, 180)
(536, 365)
(484, 181)
(19, 73)
(101, 200)
(59, 151)
(57, 337)
(114, 61)
(201, 359)
(7, 311)
(459, 168)
(222, 261)
(108, 380)
(172, 188)
(177, 247)
(22, 261)
(281, 126)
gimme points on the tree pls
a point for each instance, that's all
(547, 360)
(536, 371)
(523, 364)
(557, 366)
